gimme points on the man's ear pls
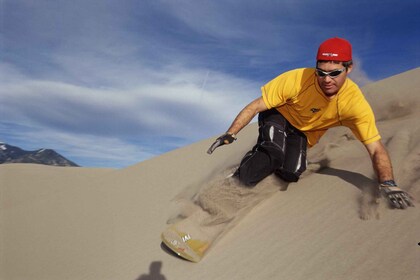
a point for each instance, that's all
(349, 69)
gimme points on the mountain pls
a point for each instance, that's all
(12, 154)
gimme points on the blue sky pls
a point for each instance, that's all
(112, 83)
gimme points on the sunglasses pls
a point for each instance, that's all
(332, 74)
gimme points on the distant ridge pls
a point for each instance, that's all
(12, 154)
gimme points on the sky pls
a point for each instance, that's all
(110, 83)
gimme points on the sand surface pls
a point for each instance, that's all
(85, 223)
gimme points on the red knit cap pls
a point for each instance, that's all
(335, 49)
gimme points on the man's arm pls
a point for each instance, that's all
(380, 161)
(243, 118)
(397, 197)
(246, 115)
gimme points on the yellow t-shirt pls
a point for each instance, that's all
(298, 97)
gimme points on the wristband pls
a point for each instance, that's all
(231, 134)
(388, 183)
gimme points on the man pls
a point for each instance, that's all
(297, 108)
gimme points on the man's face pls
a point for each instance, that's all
(329, 85)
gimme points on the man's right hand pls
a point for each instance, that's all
(226, 138)
(397, 198)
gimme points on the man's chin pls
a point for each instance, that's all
(329, 91)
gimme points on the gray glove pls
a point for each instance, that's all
(397, 197)
(226, 138)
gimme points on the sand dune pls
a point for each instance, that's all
(83, 223)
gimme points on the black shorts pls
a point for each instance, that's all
(280, 148)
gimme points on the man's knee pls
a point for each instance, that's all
(292, 174)
(255, 166)
(247, 181)
(287, 175)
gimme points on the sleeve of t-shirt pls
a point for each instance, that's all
(279, 90)
(362, 124)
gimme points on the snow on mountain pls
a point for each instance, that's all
(12, 154)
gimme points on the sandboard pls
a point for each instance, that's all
(190, 238)
(184, 244)
(221, 206)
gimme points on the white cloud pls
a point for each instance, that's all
(187, 105)
(149, 103)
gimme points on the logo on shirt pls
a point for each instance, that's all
(315, 110)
